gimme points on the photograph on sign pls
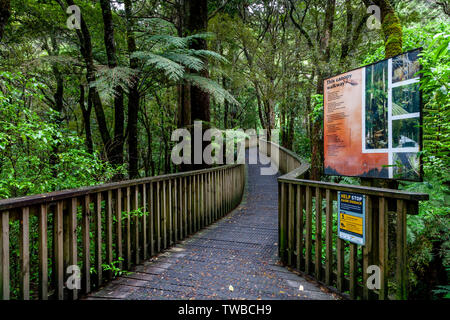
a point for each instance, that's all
(352, 217)
(372, 118)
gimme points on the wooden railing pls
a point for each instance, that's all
(105, 229)
(308, 238)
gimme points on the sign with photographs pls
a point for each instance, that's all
(372, 118)
(352, 217)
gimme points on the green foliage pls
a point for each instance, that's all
(28, 141)
(429, 232)
(317, 108)
(115, 269)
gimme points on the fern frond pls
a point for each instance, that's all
(173, 70)
(204, 36)
(211, 87)
(210, 55)
(186, 60)
(108, 79)
(168, 41)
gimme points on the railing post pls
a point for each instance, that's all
(151, 217)
(86, 240)
(145, 218)
(318, 235)
(59, 246)
(98, 239)
(402, 275)
(119, 227)
(367, 249)
(308, 230)
(383, 251)
(128, 227)
(4, 256)
(290, 220)
(109, 232)
(25, 254)
(299, 225)
(43, 252)
(329, 238)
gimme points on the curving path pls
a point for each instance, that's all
(234, 258)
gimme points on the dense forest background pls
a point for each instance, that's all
(90, 100)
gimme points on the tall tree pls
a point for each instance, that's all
(85, 42)
(133, 97)
(116, 145)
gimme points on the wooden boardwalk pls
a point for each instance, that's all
(234, 258)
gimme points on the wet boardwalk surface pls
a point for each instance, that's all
(234, 258)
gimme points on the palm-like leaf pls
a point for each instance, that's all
(212, 87)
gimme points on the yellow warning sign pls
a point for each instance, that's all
(351, 223)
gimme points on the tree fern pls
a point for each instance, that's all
(213, 88)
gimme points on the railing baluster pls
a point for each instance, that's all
(186, 207)
(4, 256)
(43, 252)
(401, 272)
(383, 251)
(98, 239)
(109, 232)
(282, 219)
(158, 217)
(299, 225)
(136, 219)
(170, 211)
(73, 245)
(189, 206)
(340, 264)
(367, 249)
(353, 270)
(164, 213)
(202, 200)
(59, 245)
(176, 210)
(128, 227)
(308, 230)
(25, 254)
(318, 236)
(151, 218)
(329, 238)
(290, 212)
(119, 227)
(86, 244)
(145, 211)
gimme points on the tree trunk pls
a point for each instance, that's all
(133, 99)
(86, 112)
(116, 147)
(325, 49)
(86, 51)
(5, 13)
(391, 26)
(194, 103)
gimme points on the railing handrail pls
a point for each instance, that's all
(382, 192)
(17, 202)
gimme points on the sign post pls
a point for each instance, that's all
(352, 217)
